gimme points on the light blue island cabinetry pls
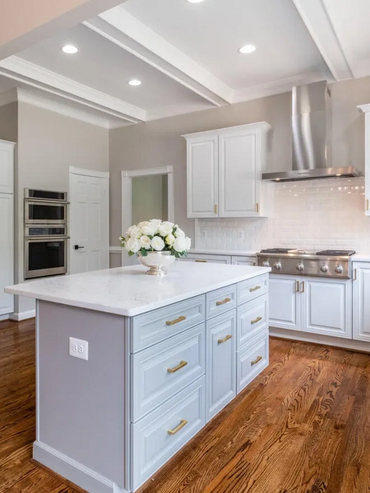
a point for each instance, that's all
(164, 357)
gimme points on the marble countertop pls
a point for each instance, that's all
(358, 257)
(127, 291)
(237, 253)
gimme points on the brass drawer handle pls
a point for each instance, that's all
(256, 360)
(176, 321)
(302, 286)
(220, 341)
(183, 423)
(297, 286)
(204, 261)
(178, 367)
(255, 321)
(226, 300)
(254, 289)
(355, 274)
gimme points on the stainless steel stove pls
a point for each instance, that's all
(326, 263)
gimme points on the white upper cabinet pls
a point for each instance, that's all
(224, 169)
(202, 176)
(6, 167)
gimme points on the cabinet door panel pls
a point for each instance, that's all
(284, 302)
(202, 177)
(221, 366)
(238, 175)
(328, 307)
(361, 302)
(212, 259)
(251, 260)
(6, 252)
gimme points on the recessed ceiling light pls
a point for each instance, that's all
(134, 82)
(247, 49)
(69, 49)
(195, 1)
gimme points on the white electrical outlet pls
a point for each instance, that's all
(241, 234)
(78, 348)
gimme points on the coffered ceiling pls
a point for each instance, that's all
(187, 57)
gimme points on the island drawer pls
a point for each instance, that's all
(161, 371)
(252, 319)
(252, 288)
(251, 361)
(157, 325)
(158, 436)
(220, 301)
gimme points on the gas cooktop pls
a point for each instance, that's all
(289, 261)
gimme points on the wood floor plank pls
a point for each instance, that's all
(303, 426)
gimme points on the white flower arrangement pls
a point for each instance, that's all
(155, 236)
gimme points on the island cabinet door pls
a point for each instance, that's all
(221, 362)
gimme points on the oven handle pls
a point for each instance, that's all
(43, 238)
(47, 201)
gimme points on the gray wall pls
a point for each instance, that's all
(9, 122)
(159, 143)
(48, 144)
(148, 198)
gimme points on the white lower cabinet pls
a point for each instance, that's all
(205, 258)
(221, 353)
(361, 301)
(158, 436)
(311, 304)
(244, 260)
(327, 307)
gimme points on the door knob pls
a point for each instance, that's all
(77, 247)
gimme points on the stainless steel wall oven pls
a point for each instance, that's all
(45, 233)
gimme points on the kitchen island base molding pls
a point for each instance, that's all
(295, 335)
(75, 472)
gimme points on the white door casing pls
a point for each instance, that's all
(89, 220)
(361, 301)
(6, 252)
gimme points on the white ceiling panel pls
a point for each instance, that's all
(212, 31)
(106, 67)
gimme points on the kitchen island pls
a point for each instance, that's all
(155, 359)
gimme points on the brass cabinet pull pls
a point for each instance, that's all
(254, 362)
(355, 274)
(215, 208)
(302, 286)
(297, 286)
(183, 423)
(176, 321)
(178, 367)
(258, 319)
(205, 261)
(220, 341)
(258, 207)
(226, 300)
(367, 204)
(254, 289)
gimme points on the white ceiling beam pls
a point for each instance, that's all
(319, 24)
(26, 22)
(38, 77)
(123, 29)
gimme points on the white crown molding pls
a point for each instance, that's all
(320, 26)
(35, 76)
(276, 87)
(62, 108)
(8, 97)
(123, 29)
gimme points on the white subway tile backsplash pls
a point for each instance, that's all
(317, 214)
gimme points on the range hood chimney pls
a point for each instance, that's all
(311, 126)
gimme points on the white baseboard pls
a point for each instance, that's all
(18, 317)
(72, 470)
(296, 335)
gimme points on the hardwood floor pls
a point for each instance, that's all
(302, 427)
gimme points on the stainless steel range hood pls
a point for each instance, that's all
(311, 126)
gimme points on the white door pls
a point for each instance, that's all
(361, 302)
(89, 220)
(202, 176)
(238, 174)
(6, 252)
(221, 362)
(285, 302)
(328, 307)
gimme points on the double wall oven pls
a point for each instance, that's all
(45, 233)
